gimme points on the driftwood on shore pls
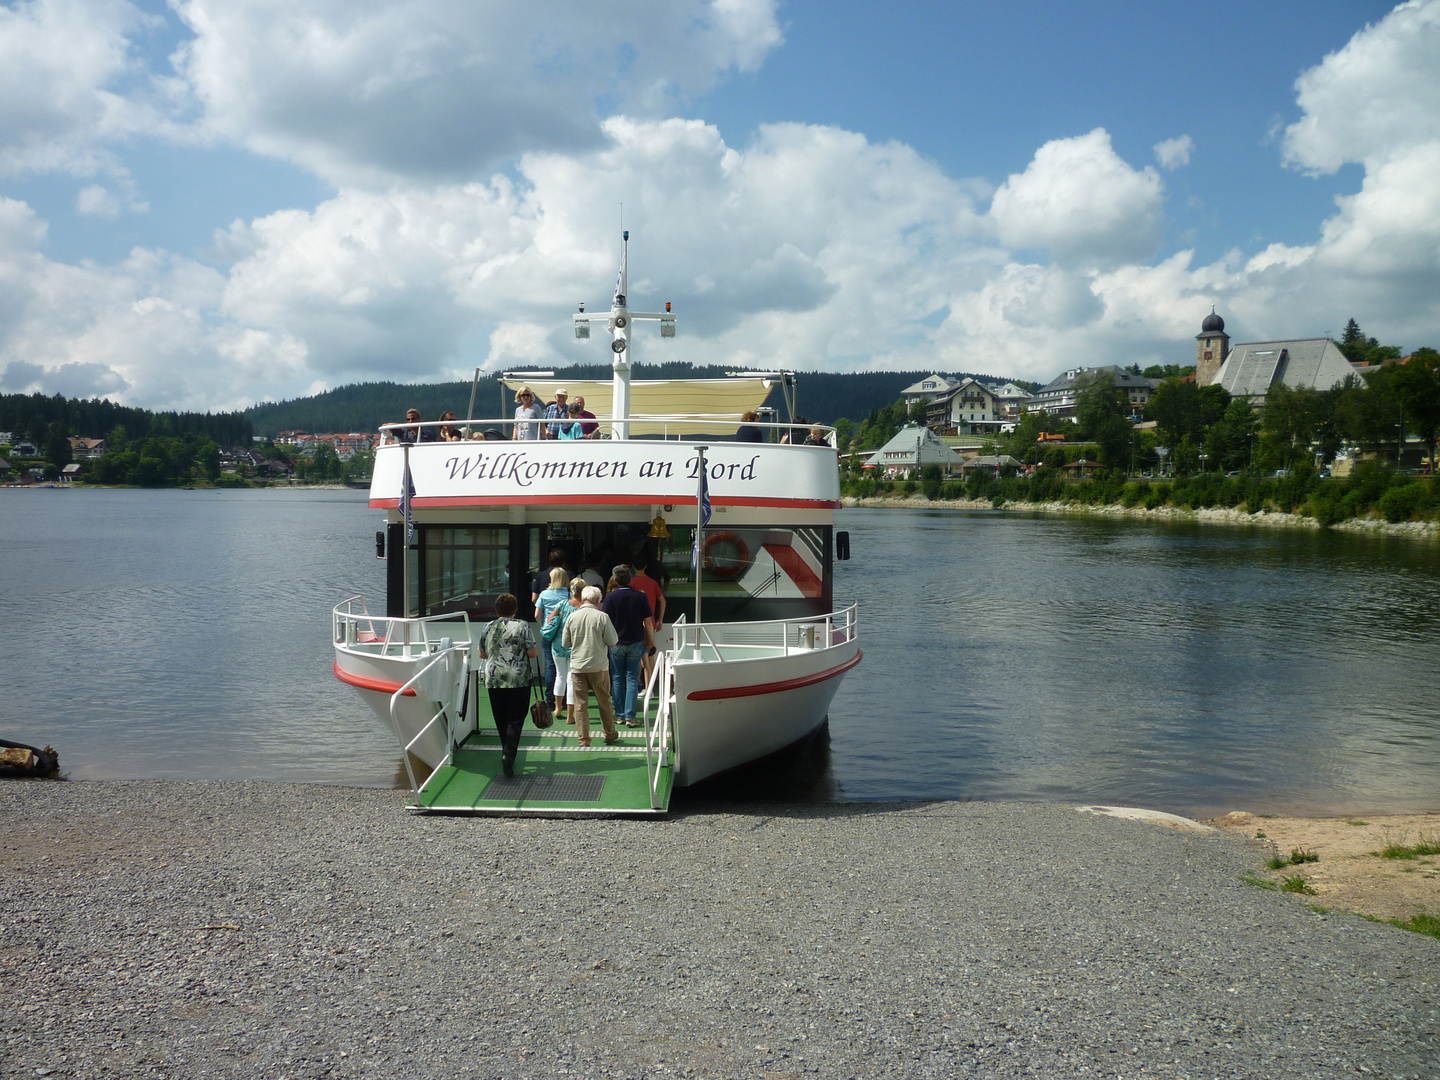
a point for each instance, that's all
(20, 760)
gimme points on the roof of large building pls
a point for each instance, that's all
(1123, 380)
(1255, 366)
(930, 385)
(913, 442)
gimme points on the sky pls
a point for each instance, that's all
(210, 203)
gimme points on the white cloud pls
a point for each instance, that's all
(1376, 98)
(1083, 203)
(66, 75)
(97, 201)
(1174, 153)
(364, 91)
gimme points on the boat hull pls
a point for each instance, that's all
(725, 714)
(730, 714)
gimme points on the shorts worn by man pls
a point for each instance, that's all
(588, 634)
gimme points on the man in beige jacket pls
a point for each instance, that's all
(588, 634)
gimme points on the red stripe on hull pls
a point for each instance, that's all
(774, 687)
(597, 500)
(382, 685)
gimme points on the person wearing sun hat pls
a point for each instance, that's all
(556, 413)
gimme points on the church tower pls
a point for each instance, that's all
(1212, 345)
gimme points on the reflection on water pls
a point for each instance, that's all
(186, 634)
(1166, 665)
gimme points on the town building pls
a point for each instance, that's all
(969, 408)
(1058, 396)
(909, 451)
(86, 449)
(1249, 369)
(929, 387)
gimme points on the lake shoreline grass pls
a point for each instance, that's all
(1230, 516)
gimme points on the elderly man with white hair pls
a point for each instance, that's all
(588, 634)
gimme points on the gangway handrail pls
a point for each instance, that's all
(444, 711)
(342, 619)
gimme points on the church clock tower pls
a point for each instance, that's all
(1212, 345)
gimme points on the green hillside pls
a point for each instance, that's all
(821, 396)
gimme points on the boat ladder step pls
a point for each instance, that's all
(553, 775)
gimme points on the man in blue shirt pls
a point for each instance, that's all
(555, 412)
(634, 623)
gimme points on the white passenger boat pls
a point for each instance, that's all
(753, 674)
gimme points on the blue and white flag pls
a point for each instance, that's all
(704, 500)
(406, 494)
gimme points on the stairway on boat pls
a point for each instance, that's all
(554, 774)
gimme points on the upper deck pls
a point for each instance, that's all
(604, 472)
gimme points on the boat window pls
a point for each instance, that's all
(749, 573)
(465, 570)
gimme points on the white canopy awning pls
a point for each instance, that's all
(718, 401)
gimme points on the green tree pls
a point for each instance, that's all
(1102, 414)
(209, 458)
(57, 445)
(1417, 386)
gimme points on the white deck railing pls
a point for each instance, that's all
(355, 628)
(683, 424)
(783, 636)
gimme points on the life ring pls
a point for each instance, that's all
(725, 566)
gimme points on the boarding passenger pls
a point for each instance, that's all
(527, 415)
(558, 593)
(653, 593)
(555, 412)
(635, 636)
(591, 573)
(747, 431)
(553, 631)
(509, 646)
(588, 634)
(542, 579)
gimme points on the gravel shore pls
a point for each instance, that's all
(156, 929)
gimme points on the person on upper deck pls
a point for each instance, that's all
(817, 437)
(572, 429)
(555, 412)
(528, 413)
(406, 434)
(747, 431)
(448, 431)
(588, 426)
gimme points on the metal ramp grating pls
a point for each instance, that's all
(551, 787)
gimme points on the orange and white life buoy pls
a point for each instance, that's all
(725, 554)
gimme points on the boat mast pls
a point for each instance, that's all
(618, 320)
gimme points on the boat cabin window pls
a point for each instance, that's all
(747, 573)
(465, 570)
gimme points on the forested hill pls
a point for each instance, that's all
(30, 416)
(821, 396)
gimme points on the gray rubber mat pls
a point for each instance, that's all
(559, 788)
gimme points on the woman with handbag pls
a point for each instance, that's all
(509, 650)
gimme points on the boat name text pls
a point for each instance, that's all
(518, 468)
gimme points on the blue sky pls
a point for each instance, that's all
(205, 204)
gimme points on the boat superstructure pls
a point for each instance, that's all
(467, 520)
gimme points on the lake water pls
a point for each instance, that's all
(185, 634)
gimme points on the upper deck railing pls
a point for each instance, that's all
(671, 428)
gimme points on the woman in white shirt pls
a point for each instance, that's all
(527, 414)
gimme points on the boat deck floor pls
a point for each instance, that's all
(554, 774)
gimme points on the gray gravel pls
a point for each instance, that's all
(152, 929)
